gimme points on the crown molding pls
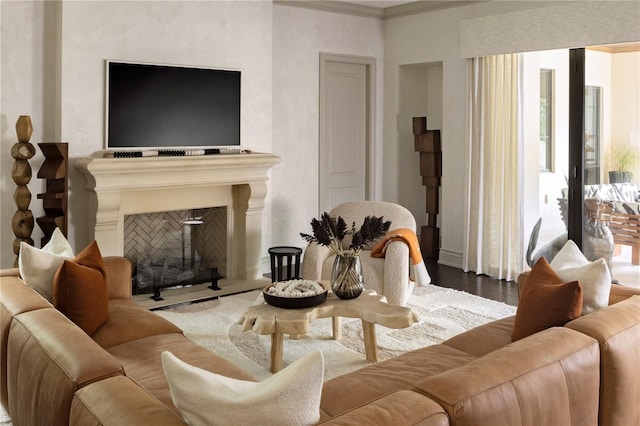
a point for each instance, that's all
(347, 8)
(617, 48)
(417, 7)
(335, 7)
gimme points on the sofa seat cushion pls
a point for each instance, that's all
(129, 321)
(617, 329)
(119, 401)
(142, 362)
(548, 378)
(399, 408)
(483, 339)
(354, 389)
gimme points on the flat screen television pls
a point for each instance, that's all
(153, 106)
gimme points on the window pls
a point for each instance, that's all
(546, 120)
(591, 135)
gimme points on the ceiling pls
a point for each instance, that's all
(381, 4)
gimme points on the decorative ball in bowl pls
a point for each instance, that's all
(295, 294)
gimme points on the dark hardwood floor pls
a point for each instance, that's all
(480, 285)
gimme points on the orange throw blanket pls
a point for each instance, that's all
(408, 237)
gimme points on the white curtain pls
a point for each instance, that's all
(493, 237)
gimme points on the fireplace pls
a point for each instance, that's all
(176, 249)
(125, 187)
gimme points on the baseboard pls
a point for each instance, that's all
(450, 258)
(265, 265)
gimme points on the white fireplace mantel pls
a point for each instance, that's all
(124, 186)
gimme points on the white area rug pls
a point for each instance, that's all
(443, 313)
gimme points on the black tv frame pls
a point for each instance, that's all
(146, 82)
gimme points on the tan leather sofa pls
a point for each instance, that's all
(584, 373)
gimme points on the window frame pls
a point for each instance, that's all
(549, 143)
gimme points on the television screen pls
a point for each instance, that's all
(157, 106)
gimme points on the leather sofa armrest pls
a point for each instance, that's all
(558, 369)
(403, 407)
(48, 359)
(617, 329)
(118, 277)
(119, 401)
(10, 272)
(618, 293)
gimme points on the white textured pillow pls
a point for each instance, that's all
(569, 256)
(594, 277)
(38, 266)
(290, 397)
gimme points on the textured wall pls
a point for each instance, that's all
(299, 35)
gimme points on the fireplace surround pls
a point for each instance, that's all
(129, 186)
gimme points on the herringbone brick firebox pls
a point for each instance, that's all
(176, 248)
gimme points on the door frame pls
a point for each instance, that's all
(576, 145)
(370, 158)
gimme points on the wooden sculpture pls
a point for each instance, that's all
(54, 171)
(427, 142)
(22, 222)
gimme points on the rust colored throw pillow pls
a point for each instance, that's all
(80, 289)
(546, 302)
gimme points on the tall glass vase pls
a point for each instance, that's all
(346, 276)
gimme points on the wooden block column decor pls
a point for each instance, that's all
(427, 143)
(54, 170)
(22, 222)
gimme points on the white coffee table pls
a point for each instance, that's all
(370, 307)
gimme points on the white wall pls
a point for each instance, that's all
(225, 34)
(625, 99)
(488, 28)
(299, 36)
(26, 79)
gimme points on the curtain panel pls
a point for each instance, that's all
(494, 222)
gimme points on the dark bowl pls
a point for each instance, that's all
(294, 302)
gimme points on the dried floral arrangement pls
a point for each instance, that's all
(330, 232)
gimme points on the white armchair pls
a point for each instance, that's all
(388, 276)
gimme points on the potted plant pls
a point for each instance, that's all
(623, 159)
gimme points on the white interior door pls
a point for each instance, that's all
(343, 133)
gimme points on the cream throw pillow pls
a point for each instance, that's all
(594, 277)
(290, 397)
(38, 266)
